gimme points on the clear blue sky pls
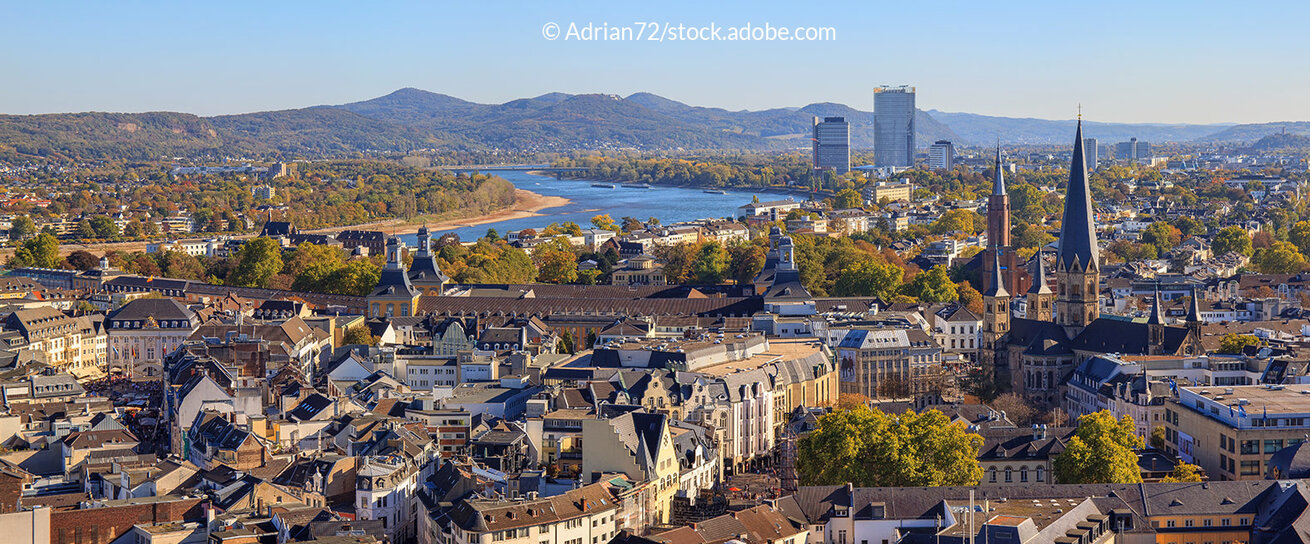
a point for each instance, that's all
(1195, 61)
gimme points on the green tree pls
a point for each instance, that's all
(22, 228)
(932, 286)
(868, 277)
(846, 199)
(871, 448)
(104, 227)
(258, 260)
(1233, 343)
(567, 344)
(1232, 239)
(1184, 472)
(84, 230)
(41, 252)
(357, 278)
(711, 264)
(1102, 451)
(133, 229)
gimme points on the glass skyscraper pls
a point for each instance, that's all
(893, 126)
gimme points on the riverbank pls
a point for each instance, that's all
(526, 204)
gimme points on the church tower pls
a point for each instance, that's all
(996, 316)
(1155, 323)
(1040, 297)
(999, 255)
(1194, 314)
(1077, 263)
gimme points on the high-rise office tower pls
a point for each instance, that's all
(1132, 150)
(1091, 152)
(832, 144)
(941, 155)
(893, 126)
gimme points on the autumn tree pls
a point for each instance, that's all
(359, 335)
(82, 260)
(870, 448)
(1184, 472)
(1233, 343)
(556, 262)
(1015, 407)
(1159, 438)
(1279, 258)
(179, 264)
(850, 401)
(604, 222)
(745, 260)
(1162, 235)
(969, 297)
(1299, 235)
(1102, 451)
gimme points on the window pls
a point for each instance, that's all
(1250, 468)
(1272, 446)
(1250, 447)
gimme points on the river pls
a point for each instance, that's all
(668, 204)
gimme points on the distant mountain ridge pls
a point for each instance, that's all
(410, 119)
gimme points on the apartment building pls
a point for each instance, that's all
(1232, 432)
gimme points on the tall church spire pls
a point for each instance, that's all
(1194, 309)
(1039, 286)
(1078, 228)
(998, 179)
(1077, 262)
(1157, 311)
(996, 287)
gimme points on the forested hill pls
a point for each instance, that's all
(413, 119)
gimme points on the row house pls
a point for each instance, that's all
(72, 344)
(587, 515)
